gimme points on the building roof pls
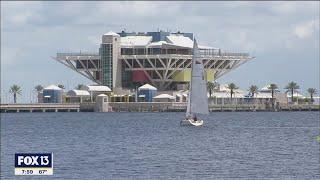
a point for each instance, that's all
(52, 87)
(97, 88)
(226, 94)
(111, 33)
(157, 44)
(266, 88)
(164, 96)
(76, 92)
(295, 94)
(130, 41)
(147, 87)
(180, 40)
(263, 95)
(207, 47)
(102, 95)
(175, 40)
(225, 88)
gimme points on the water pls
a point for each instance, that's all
(248, 145)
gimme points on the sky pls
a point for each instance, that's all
(282, 36)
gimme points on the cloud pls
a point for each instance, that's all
(289, 8)
(34, 31)
(306, 29)
(284, 7)
(10, 55)
(17, 13)
(94, 39)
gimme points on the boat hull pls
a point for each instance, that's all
(191, 122)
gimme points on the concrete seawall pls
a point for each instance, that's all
(146, 107)
(40, 107)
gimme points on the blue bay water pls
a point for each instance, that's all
(247, 145)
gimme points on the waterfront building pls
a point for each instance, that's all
(163, 59)
(222, 96)
(77, 96)
(146, 93)
(297, 97)
(52, 94)
(316, 100)
(164, 98)
(95, 90)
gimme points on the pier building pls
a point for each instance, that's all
(163, 59)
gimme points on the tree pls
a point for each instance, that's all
(273, 88)
(232, 88)
(15, 89)
(79, 86)
(61, 86)
(210, 87)
(38, 88)
(253, 89)
(216, 86)
(311, 91)
(292, 86)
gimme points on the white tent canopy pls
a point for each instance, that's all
(111, 33)
(295, 94)
(164, 96)
(96, 88)
(266, 89)
(147, 87)
(76, 92)
(102, 95)
(52, 87)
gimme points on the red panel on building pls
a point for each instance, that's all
(97, 75)
(139, 76)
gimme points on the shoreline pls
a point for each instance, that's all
(147, 107)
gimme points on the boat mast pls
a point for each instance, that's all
(192, 66)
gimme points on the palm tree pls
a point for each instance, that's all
(232, 87)
(210, 87)
(253, 90)
(216, 85)
(312, 91)
(61, 86)
(292, 86)
(79, 86)
(38, 88)
(15, 89)
(272, 87)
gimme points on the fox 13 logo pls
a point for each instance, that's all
(33, 164)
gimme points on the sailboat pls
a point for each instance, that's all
(197, 99)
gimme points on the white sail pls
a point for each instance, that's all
(198, 100)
